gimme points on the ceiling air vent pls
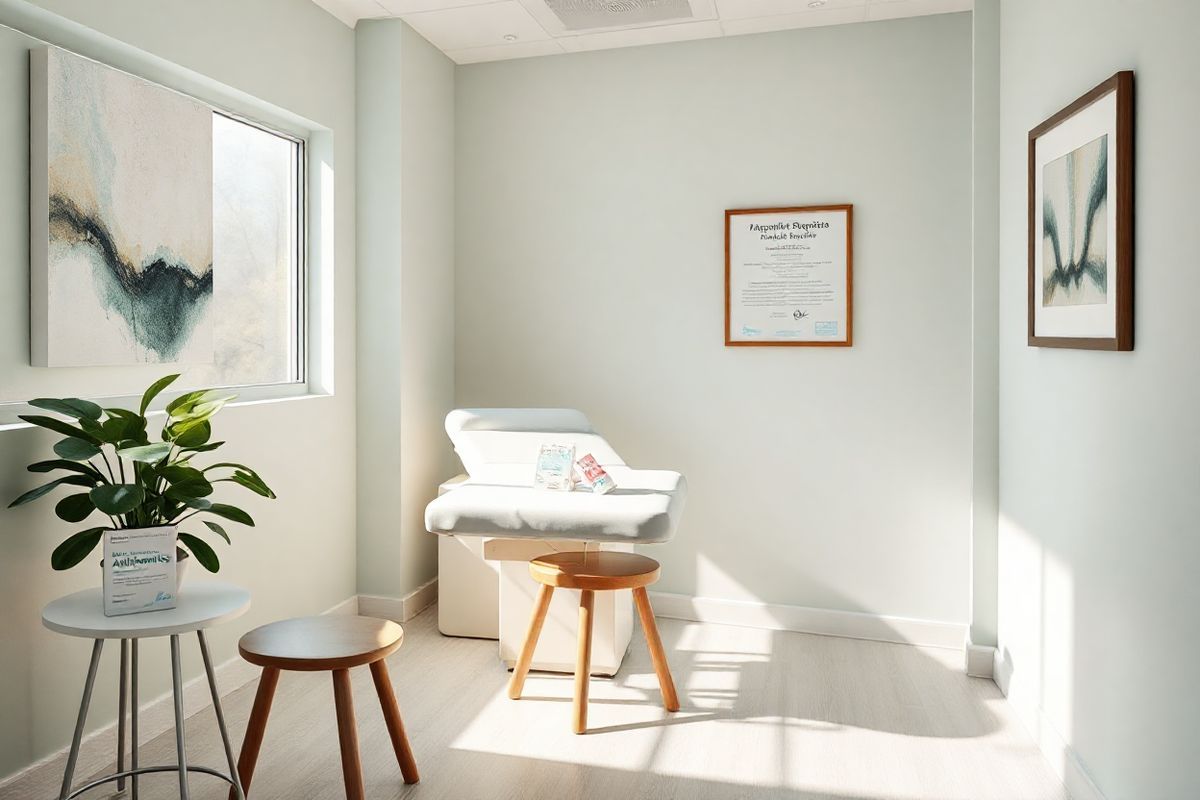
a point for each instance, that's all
(587, 15)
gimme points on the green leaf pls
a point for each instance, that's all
(202, 551)
(76, 548)
(258, 487)
(187, 490)
(198, 503)
(218, 530)
(147, 453)
(153, 391)
(70, 466)
(203, 448)
(245, 476)
(75, 507)
(178, 473)
(58, 426)
(70, 407)
(191, 438)
(118, 498)
(34, 494)
(73, 449)
(117, 429)
(231, 513)
(184, 403)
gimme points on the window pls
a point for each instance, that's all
(258, 258)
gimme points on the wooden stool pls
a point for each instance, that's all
(593, 572)
(337, 644)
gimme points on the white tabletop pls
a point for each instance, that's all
(200, 605)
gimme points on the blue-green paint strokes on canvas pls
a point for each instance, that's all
(161, 300)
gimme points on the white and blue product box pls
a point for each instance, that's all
(139, 570)
(555, 468)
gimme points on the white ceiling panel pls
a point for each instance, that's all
(398, 8)
(894, 9)
(743, 9)
(502, 52)
(809, 18)
(639, 36)
(477, 26)
(471, 31)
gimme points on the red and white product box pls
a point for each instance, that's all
(594, 475)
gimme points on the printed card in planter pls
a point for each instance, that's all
(139, 570)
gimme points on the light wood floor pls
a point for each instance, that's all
(765, 715)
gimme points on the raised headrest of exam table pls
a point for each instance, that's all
(499, 448)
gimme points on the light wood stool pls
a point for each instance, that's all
(337, 644)
(590, 573)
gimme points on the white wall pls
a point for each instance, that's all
(406, 300)
(590, 196)
(305, 449)
(1099, 602)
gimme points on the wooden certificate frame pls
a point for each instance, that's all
(813, 311)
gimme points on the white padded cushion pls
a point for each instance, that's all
(645, 507)
(510, 438)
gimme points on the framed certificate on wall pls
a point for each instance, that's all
(788, 276)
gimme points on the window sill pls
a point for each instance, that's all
(246, 396)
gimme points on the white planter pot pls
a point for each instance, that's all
(182, 560)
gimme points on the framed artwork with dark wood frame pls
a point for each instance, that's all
(789, 276)
(1081, 222)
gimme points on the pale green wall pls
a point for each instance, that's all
(591, 191)
(1099, 474)
(301, 557)
(405, 300)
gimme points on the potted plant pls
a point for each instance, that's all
(134, 482)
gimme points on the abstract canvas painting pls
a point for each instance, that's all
(1080, 213)
(1074, 227)
(122, 217)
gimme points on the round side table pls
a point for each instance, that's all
(200, 605)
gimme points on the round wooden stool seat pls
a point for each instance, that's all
(310, 644)
(334, 644)
(595, 571)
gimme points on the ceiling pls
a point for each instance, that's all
(469, 31)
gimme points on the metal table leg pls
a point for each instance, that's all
(122, 699)
(133, 722)
(128, 702)
(88, 685)
(216, 698)
(177, 689)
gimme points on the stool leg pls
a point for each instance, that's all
(395, 725)
(540, 606)
(657, 654)
(583, 661)
(255, 728)
(343, 698)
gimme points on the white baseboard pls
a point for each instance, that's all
(399, 609)
(1058, 753)
(847, 624)
(155, 717)
(979, 660)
